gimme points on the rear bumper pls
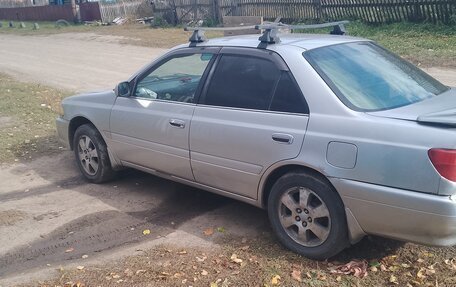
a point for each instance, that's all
(62, 131)
(400, 214)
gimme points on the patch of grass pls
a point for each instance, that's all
(27, 115)
(263, 259)
(45, 28)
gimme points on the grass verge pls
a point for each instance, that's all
(27, 115)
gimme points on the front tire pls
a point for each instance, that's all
(308, 216)
(91, 154)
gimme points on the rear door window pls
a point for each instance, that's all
(242, 82)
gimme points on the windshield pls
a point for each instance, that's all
(367, 77)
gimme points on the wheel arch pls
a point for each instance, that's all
(274, 173)
(74, 124)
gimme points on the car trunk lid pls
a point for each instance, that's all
(439, 110)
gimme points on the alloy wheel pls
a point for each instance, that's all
(88, 155)
(304, 216)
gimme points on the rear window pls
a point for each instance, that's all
(367, 77)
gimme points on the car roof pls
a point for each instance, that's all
(304, 41)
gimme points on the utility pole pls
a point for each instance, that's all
(75, 12)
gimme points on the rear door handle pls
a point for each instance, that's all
(177, 123)
(283, 138)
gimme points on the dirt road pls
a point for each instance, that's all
(50, 217)
(77, 61)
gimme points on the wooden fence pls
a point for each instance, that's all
(38, 13)
(371, 11)
(22, 3)
(127, 9)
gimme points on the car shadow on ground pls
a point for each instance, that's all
(138, 202)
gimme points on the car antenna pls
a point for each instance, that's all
(270, 31)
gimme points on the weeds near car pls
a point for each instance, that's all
(27, 115)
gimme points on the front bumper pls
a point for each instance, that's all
(400, 214)
(62, 131)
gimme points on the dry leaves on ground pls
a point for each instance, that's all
(357, 268)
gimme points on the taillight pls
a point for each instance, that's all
(444, 161)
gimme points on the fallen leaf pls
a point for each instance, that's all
(275, 280)
(451, 263)
(235, 259)
(321, 276)
(221, 229)
(393, 279)
(339, 278)
(296, 275)
(146, 231)
(430, 271)
(420, 260)
(208, 231)
(393, 268)
(309, 275)
(204, 272)
(354, 267)
(201, 259)
(80, 267)
(420, 274)
(214, 284)
(403, 265)
(373, 269)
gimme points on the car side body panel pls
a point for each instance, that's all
(95, 107)
(231, 148)
(141, 134)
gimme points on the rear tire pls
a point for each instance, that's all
(91, 154)
(308, 216)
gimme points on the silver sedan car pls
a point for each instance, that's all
(334, 135)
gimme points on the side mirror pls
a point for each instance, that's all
(123, 89)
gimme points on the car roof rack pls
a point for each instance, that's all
(270, 31)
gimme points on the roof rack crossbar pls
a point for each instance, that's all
(270, 34)
(198, 32)
(270, 30)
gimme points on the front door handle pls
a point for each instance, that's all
(177, 123)
(283, 138)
